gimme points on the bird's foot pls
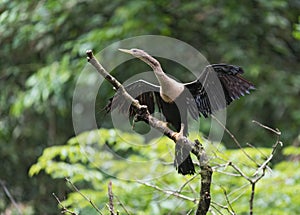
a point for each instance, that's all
(178, 135)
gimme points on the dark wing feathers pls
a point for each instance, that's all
(234, 85)
(146, 93)
(207, 93)
(217, 87)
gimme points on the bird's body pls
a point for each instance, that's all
(217, 87)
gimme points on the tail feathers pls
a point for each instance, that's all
(183, 161)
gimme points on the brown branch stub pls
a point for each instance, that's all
(89, 54)
(206, 178)
(205, 197)
(110, 199)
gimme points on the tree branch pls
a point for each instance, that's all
(64, 210)
(110, 199)
(142, 114)
(84, 196)
(11, 198)
(173, 193)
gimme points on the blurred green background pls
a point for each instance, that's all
(43, 46)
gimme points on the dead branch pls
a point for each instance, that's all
(122, 205)
(84, 196)
(221, 206)
(11, 198)
(260, 171)
(142, 114)
(64, 210)
(233, 138)
(110, 199)
(168, 192)
(262, 168)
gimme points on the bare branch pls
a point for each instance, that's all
(221, 206)
(142, 114)
(236, 168)
(63, 208)
(110, 199)
(252, 197)
(11, 198)
(228, 202)
(187, 182)
(122, 205)
(234, 139)
(84, 196)
(260, 171)
(172, 193)
(264, 166)
(277, 132)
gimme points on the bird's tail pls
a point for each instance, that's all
(183, 161)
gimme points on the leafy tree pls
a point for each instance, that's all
(90, 161)
(43, 46)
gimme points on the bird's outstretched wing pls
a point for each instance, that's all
(217, 87)
(145, 92)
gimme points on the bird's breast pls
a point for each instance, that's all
(170, 95)
(170, 89)
(167, 98)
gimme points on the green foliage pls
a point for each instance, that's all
(94, 158)
(90, 162)
(44, 85)
(43, 46)
(296, 31)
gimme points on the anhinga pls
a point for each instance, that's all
(175, 99)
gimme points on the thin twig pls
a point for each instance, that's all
(227, 200)
(64, 209)
(122, 205)
(237, 190)
(84, 196)
(234, 139)
(172, 193)
(213, 206)
(264, 166)
(221, 206)
(187, 182)
(110, 199)
(260, 172)
(11, 198)
(277, 132)
(236, 168)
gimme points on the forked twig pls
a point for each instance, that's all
(122, 205)
(64, 209)
(172, 193)
(11, 198)
(260, 171)
(84, 196)
(233, 138)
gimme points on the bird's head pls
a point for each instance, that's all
(144, 56)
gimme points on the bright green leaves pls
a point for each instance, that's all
(94, 158)
(296, 32)
(44, 87)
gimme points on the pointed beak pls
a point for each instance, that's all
(125, 50)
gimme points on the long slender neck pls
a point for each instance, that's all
(169, 88)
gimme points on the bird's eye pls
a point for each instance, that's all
(133, 50)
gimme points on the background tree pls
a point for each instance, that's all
(43, 44)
